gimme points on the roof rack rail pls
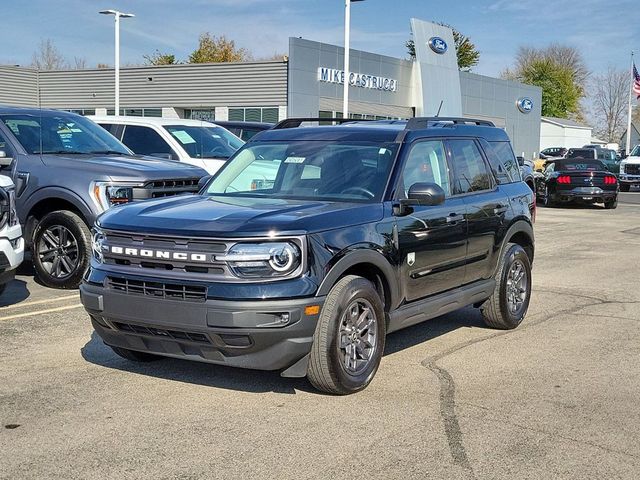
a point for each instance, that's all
(296, 122)
(419, 123)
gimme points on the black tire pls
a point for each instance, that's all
(135, 356)
(547, 201)
(73, 268)
(611, 204)
(495, 310)
(624, 187)
(327, 370)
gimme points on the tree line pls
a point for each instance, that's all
(569, 89)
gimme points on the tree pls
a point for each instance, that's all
(79, 63)
(468, 54)
(158, 58)
(561, 73)
(212, 49)
(610, 103)
(560, 93)
(47, 57)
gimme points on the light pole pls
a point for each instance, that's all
(117, 14)
(347, 33)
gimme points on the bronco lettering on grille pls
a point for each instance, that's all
(160, 254)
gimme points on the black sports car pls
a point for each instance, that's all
(577, 179)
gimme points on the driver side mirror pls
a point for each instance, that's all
(429, 194)
(5, 161)
(520, 161)
(203, 181)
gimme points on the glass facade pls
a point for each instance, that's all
(137, 112)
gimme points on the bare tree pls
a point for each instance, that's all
(609, 99)
(79, 63)
(47, 57)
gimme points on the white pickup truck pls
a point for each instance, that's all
(630, 170)
(11, 241)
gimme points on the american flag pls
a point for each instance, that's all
(636, 81)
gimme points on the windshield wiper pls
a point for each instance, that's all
(59, 152)
(108, 152)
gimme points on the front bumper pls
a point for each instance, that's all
(629, 179)
(262, 335)
(11, 252)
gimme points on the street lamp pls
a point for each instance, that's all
(117, 14)
(347, 28)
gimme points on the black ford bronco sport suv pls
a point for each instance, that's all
(313, 243)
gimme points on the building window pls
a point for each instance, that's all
(355, 116)
(83, 111)
(254, 114)
(137, 112)
(204, 114)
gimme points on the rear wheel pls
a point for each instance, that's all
(61, 249)
(135, 356)
(508, 305)
(625, 187)
(611, 204)
(349, 338)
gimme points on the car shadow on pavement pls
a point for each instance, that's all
(259, 381)
(17, 290)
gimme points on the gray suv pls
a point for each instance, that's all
(67, 170)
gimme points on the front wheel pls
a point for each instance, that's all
(548, 201)
(61, 249)
(349, 338)
(508, 305)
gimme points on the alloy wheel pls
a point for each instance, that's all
(517, 287)
(357, 336)
(58, 251)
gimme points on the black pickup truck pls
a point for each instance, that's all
(312, 244)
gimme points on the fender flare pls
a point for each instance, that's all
(362, 256)
(59, 193)
(519, 226)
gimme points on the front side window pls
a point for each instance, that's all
(470, 170)
(426, 163)
(308, 170)
(146, 141)
(204, 141)
(60, 132)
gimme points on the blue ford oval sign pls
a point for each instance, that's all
(525, 104)
(438, 45)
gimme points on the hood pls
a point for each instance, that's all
(202, 216)
(125, 168)
(634, 160)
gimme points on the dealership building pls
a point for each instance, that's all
(306, 83)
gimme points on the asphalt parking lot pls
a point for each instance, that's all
(557, 398)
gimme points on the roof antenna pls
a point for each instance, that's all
(439, 108)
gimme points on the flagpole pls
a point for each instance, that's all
(628, 146)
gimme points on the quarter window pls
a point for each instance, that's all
(426, 163)
(470, 170)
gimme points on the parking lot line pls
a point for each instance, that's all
(37, 302)
(40, 312)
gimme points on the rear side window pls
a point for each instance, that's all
(146, 141)
(503, 162)
(470, 170)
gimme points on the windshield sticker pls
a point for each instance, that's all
(295, 160)
(183, 137)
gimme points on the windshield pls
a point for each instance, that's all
(60, 132)
(636, 151)
(307, 170)
(204, 141)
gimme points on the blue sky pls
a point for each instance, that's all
(605, 31)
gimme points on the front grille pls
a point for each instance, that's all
(632, 169)
(162, 332)
(165, 188)
(169, 291)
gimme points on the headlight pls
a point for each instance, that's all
(5, 207)
(97, 241)
(263, 260)
(105, 194)
(13, 214)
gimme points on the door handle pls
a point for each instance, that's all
(500, 209)
(454, 218)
